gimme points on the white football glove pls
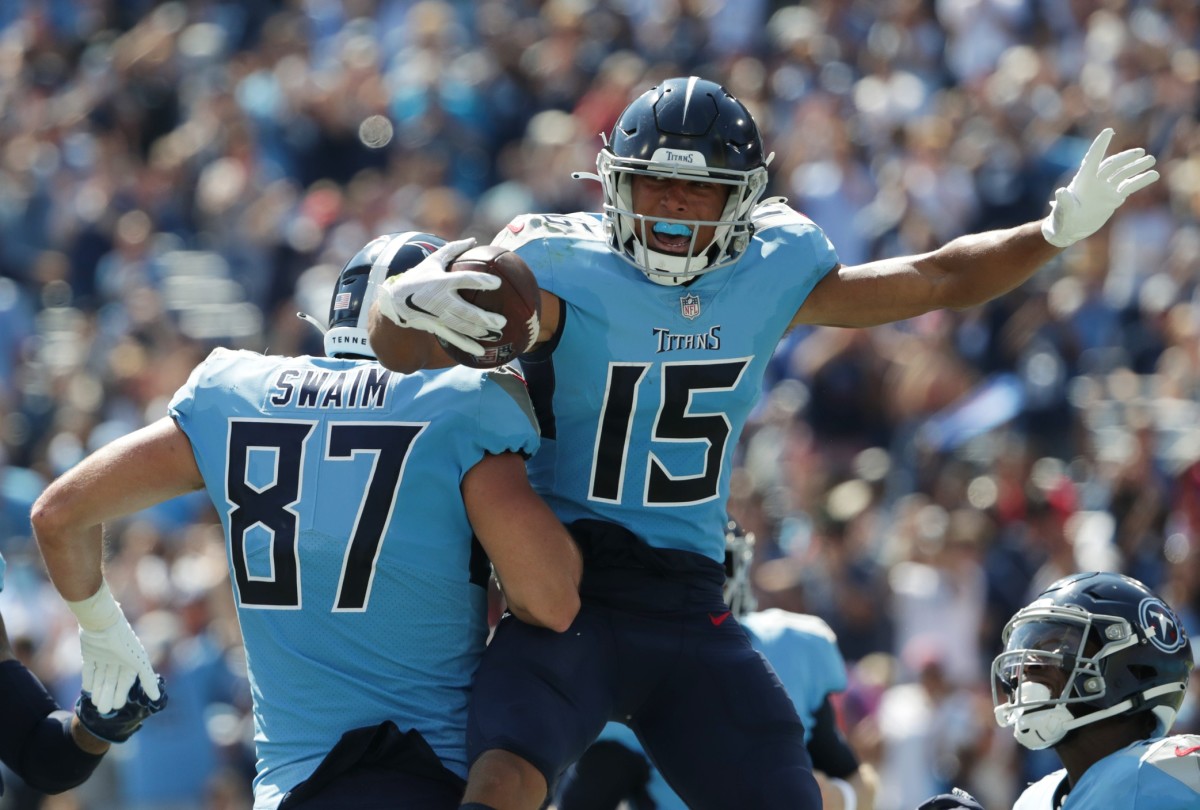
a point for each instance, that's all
(1098, 189)
(427, 298)
(112, 655)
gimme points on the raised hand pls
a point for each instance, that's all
(113, 658)
(1097, 190)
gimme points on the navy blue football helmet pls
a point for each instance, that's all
(685, 128)
(380, 259)
(1123, 650)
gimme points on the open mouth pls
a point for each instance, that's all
(671, 237)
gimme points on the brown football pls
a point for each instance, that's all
(517, 299)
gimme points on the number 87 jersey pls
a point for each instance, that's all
(359, 586)
(644, 389)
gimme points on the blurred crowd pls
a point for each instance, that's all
(176, 176)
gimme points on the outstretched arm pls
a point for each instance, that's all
(132, 473)
(979, 267)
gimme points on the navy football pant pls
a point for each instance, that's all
(378, 768)
(669, 662)
(375, 789)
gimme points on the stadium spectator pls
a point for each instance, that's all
(215, 121)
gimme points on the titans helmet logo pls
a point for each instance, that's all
(1161, 625)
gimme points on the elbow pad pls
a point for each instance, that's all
(830, 751)
(52, 762)
(35, 735)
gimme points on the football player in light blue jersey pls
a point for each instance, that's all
(1096, 668)
(803, 651)
(351, 497)
(658, 318)
(51, 749)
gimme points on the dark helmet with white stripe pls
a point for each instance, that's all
(685, 128)
(1120, 648)
(381, 258)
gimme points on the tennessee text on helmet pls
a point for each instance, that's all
(357, 285)
(691, 129)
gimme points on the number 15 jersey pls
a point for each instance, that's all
(644, 391)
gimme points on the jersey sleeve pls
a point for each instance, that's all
(506, 421)
(183, 403)
(187, 402)
(542, 239)
(827, 658)
(803, 649)
(1169, 775)
(810, 256)
(1155, 774)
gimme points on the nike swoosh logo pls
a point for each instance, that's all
(718, 619)
(1183, 752)
(408, 302)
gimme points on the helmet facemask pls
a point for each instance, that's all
(684, 128)
(739, 552)
(629, 231)
(1057, 637)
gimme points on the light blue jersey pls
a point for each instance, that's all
(1158, 774)
(648, 388)
(803, 651)
(359, 588)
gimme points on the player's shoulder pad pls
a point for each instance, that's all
(802, 623)
(812, 626)
(1165, 750)
(776, 213)
(528, 228)
(510, 381)
(1039, 795)
(222, 357)
(1161, 772)
(218, 360)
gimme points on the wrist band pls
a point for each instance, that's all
(849, 797)
(99, 611)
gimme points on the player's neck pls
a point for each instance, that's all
(1086, 746)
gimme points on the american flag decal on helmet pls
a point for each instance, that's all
(341, 301)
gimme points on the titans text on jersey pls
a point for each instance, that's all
(643, 394)
(669, 341)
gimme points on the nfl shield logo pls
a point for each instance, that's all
(689, 306)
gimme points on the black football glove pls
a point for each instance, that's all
(118, 725)
(957, 799)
